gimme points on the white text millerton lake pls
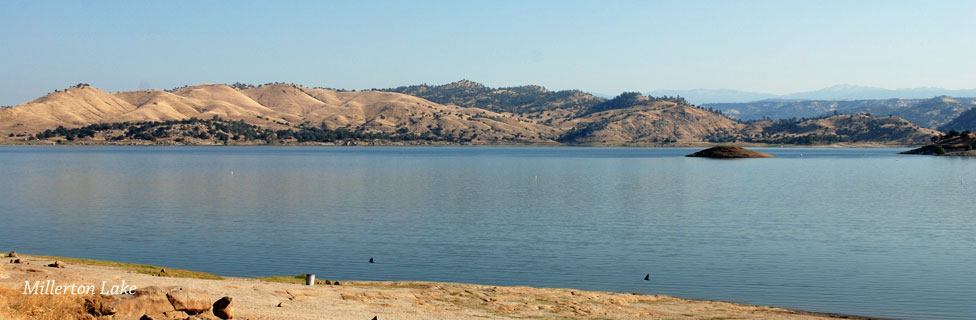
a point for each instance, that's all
(51, 288)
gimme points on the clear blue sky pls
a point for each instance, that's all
(598, 46)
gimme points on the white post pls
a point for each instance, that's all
(309, 279)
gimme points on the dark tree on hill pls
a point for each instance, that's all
(222, 131)
(520, 99)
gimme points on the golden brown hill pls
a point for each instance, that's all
(378, 111)
(226, 102)
(75, 106)
(274, 106)
(655, 122)
(286, 98)
(203, 102)
(628, 118)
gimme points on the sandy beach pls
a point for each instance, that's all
(260, 299)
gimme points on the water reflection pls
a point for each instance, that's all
(858, 231)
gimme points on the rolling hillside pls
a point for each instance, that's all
(523, 99)
(840, 128)
(288, 113)
(653, 122)
(965, 121)
(275, 106)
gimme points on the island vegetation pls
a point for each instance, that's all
(729, 152)
(953, 143)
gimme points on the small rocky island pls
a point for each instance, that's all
(729, 152)
(952, 143)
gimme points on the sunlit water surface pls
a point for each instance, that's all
(852, 231)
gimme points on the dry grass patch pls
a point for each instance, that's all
(389, 285)
(299, 279)
(138, 268)
(15, 305)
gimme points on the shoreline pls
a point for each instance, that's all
(289, 298)
(505, 145)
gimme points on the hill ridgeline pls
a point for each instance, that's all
(462, 112)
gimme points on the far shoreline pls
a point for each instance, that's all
(500, 145)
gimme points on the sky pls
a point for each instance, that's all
(597, 46)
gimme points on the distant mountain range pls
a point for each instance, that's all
(837, 92)
(704, 96)
(458, 112)
(930, 113)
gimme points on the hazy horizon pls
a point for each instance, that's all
(605, 48)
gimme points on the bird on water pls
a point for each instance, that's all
(647, 277)
(371, 260)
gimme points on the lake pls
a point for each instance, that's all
(852, 231)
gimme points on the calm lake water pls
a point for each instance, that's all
(852, 231)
